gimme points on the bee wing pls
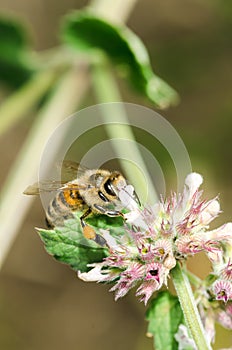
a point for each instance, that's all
(51, 186)
(43, 186)
(71, 170)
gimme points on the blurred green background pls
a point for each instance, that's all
(42, 303)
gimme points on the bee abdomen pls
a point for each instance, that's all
(62, 206)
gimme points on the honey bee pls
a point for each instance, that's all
(91, 191)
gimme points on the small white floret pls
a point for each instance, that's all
(134, 217)
(183, 339)
(210, 212)
(94, 275)
(110, 240)
(193, 181)
(126, 196)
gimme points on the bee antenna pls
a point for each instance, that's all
(137, 198)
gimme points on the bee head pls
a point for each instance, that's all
(114, 183)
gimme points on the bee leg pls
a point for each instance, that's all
(49, 225)
(108, 212)
(89, 232)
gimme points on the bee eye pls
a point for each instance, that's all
(108, 188)
(102, 196)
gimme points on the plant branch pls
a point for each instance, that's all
(106, 90)
(65, 100)
(25, 168)
(16, 107)
(115, 11)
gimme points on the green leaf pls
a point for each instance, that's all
(68, 245)
(104, 221)
(164, 316)
(15, 67)
(86, 32)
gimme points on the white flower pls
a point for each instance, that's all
(94, 275)
(110, 240)
(158, 236)
(222, 233)
(183, 339)
(136, 219)
(127, 197)
(193, 181)
(210, 212)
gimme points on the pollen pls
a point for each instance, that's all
(89, 232)
(161, 251)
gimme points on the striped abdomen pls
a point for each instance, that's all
(62, 206)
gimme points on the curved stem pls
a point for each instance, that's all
(18, 104)
(188, 305)
(24, 170)
(115, 11)
(106, 90)
(65, 99)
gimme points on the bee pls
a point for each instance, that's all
(90, 191)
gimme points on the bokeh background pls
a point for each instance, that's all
(42, 303)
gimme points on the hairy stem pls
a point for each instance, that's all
(188, 305)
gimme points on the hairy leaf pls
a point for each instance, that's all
(86, 32)
(164, 316)
(14, 63)
(68, 245)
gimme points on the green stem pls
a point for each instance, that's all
(114, 11)
(106, 90)
(62, 103)
(23, 100)
(65, 99)
(188, 305)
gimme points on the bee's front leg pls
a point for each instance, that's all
(89, 232)
(108, 212)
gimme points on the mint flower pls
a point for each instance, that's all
(222, 290)
(156, 237)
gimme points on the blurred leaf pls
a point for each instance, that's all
(84, 31)
(164, 316)
(68, 245)
(15, 68)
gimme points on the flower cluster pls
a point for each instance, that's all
(156, 237)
